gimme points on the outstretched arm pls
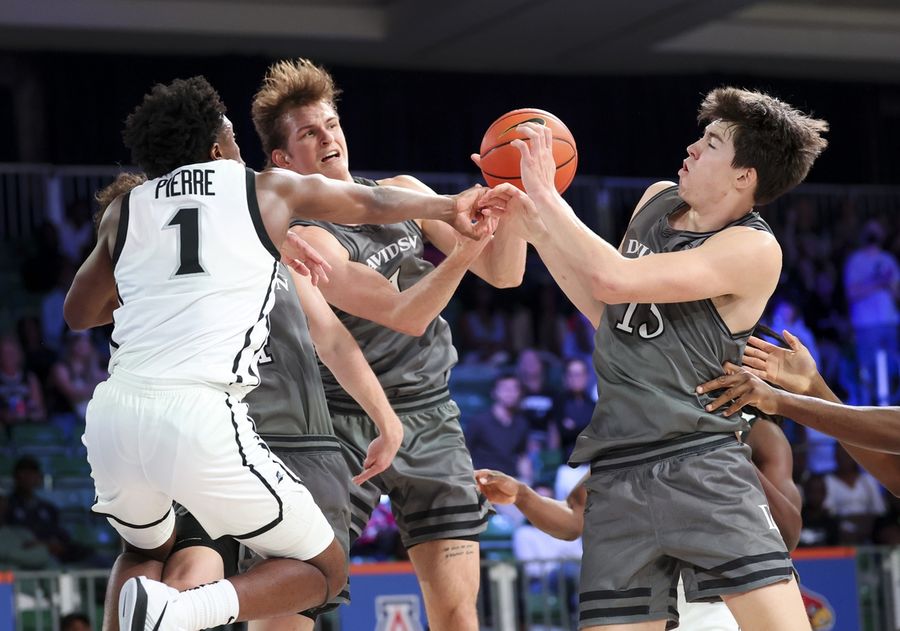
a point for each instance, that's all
(358, 289)
(870, 434)
(713, 269)
(501, 262)
(563, 520)
(338, 350)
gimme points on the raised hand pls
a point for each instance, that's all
(741, 388)
(537, 165)
(304, 259)
(498, 487)
(793, 369)
(518, 210)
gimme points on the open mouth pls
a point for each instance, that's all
(334, 155)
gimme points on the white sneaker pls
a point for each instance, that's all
(144, 604)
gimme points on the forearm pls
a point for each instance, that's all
(875, 428)
(414, 308)
(574, 279)
(502, 262)
(555, 518)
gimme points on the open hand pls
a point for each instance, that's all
(304, 259)
(741, 388)
(792, 369)
(537, 165)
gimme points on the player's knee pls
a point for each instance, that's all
(333, 565)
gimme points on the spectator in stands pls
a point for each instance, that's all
(73, 379)
(76, 230)
(579, 340)
(53, 325)
(21, 398)
(75, 622)
(39, 357)
(872, 282)
(27, 509)
(537, 397)
(854, 497)
(380, 539)
(572, 408)
(541, 554)
(19, 547)
(820, 527)
(498, 438)
(483, 328)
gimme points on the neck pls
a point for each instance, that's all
(697, 218)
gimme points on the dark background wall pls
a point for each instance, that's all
(431, 121)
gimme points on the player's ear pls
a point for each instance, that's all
(215, 152)
(747, 179)
(280, 159)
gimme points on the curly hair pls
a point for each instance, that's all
(175, 124)
(123, 183)
(769, 135)
(287, 85)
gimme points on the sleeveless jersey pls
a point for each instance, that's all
(650, 358)
(290, 400)
(407, 367)
(194, 271)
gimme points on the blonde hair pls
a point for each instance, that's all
(288, 84)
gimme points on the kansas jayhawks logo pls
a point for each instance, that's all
(398, 613)
(819, 610)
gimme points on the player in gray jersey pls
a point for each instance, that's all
(672, 492)
(391, 298)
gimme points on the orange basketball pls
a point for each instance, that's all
(500, 160)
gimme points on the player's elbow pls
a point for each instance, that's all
(413, 329)
(74, 314)
(609, 287)
(507, 279)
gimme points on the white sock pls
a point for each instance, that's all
(208, 606)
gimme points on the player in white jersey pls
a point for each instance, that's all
(184, 267)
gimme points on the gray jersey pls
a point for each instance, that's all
(408, 368)
(649, 358)
(290, 400)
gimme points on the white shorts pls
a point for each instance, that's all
(704, 616)
(149, 443)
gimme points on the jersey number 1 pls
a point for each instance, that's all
(187, 222)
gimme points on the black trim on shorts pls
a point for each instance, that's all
(446, 527)
(253, 470)
(359, 522)
(753, 577)
(256, 215)
(473, 538)
(122, 229)
(308, 448)
(690, 443)
(615, 594)
(447, 510)
(611, 612)
(748, 560)
(400, 405)
(136, 527)
(361, 505)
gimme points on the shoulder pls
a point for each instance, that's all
(405, 181)
(652, 191)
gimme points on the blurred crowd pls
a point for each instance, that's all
(525, 383)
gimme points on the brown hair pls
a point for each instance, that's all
(287, 85)
(123, 183)
(769, 135)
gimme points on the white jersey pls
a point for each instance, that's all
(194, 270)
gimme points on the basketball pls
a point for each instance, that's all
(500, 160)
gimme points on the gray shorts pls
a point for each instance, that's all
(692, 507)
(431, 482)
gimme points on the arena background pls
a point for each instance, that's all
(421, 82)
